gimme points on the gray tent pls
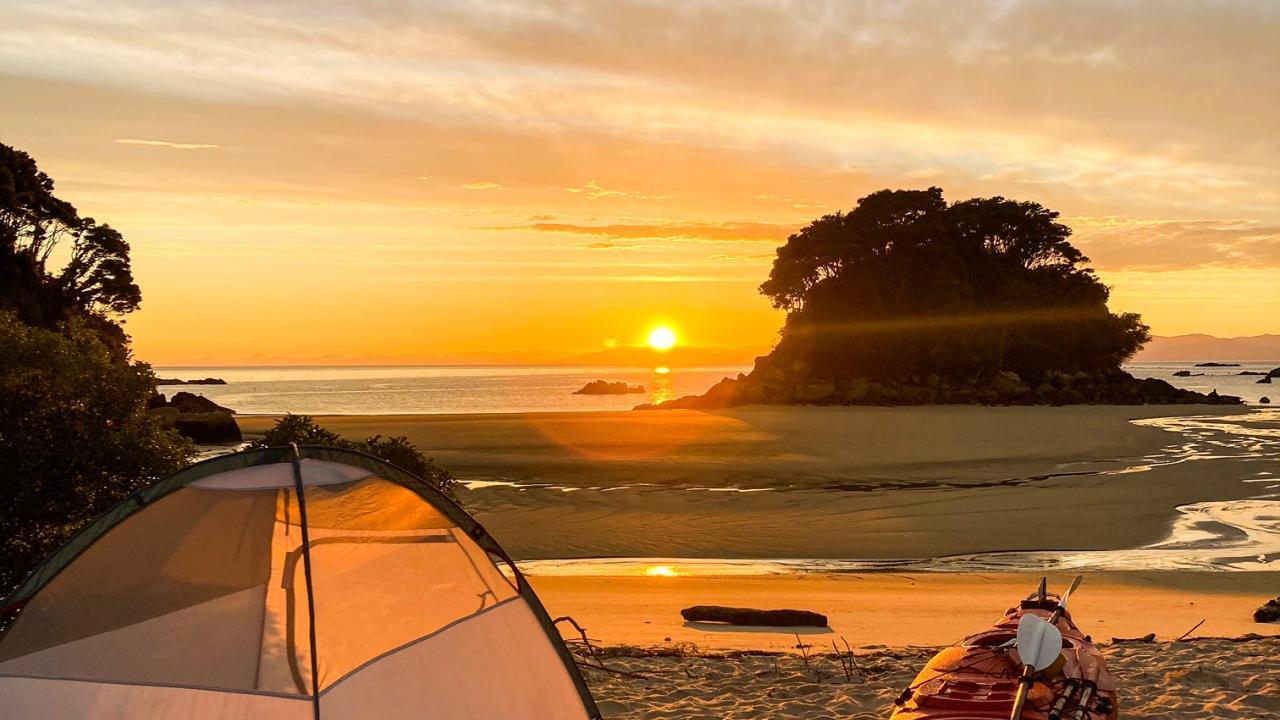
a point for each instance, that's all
(283, 584)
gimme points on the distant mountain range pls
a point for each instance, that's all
(1207, 348)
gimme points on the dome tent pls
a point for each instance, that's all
(285, 583)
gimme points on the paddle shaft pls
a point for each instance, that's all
(1024, 687)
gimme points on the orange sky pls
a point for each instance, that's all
(309, 182)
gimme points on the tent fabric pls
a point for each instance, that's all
(205, 595)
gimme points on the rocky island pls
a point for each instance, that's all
(604, 387)
(909, 300)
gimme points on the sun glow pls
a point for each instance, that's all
(662, 338)
(660, 571)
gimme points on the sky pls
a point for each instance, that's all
(499, 181)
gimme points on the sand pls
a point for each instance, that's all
(890, 609)
(829, 482)
(869, 483)
(894, 623)
(1204, 678)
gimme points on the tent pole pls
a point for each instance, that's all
(306, 570)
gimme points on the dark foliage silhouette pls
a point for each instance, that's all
(94, 280)
(75, 437)
(907, 299)
(906, 286)
(304, 430)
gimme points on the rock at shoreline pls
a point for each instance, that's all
(769, 384)
(1274, 373)
(1266, 380)
(1217, 364)
(204, 381)
(604, 387)
(196, 417)
(210, 427)
(1264, 400)
(191, 403)
(1251, 372)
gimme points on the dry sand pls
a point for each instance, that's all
(1205, 678)
(894, 623)
(889, 609)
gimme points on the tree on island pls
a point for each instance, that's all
(907, 299)
(75, 434)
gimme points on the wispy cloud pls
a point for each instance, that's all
(481, 186)
(166, 144)
(1119, 243)
(710, 232)
(792, 202)
(594, 191)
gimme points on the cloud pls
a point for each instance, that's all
(594, 191)
(1118, 243)
(611, 246)
(791, 202)
(166, 144)
(697, 231)
(481, 186)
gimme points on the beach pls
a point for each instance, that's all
(908, 527)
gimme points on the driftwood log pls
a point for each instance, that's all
(752, 616)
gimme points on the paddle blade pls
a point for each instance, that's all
(1039, 643)
(1067, 595)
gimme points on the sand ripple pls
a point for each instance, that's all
(1218, 678)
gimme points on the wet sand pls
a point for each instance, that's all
(806, 482)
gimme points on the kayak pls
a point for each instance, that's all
(979, 678)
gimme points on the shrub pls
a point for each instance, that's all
(75, 437)
(304, 430)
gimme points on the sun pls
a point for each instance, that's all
(662, 338)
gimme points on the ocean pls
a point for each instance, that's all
(438, 389)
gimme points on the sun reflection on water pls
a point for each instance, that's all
(662, 390)
(660, 571)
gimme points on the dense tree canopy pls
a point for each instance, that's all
(55, 264)
(906, 286)
(75, 436)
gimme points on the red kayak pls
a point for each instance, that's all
(979, 678)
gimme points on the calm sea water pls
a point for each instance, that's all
(435, 389)
(502, 389)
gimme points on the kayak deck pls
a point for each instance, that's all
(978, 678)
